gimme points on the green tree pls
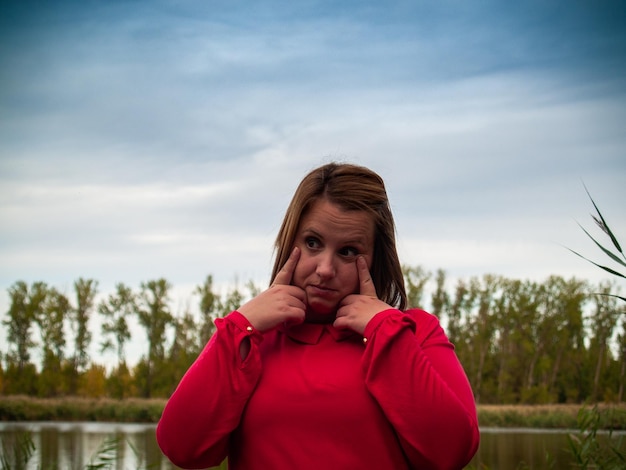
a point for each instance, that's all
(621, 342)
(51, 320)
(86, 290)
(564, 337)
(457, 312)
(440, 299)
(21, 375)
(209, 306)
(253, 289)
(25, 307)
(603, 323)
(541, 327)
(232, 301)
(154, 316)
(480, 330)
(513, 311)
(183, 352)
(115, 310)
(415, 280)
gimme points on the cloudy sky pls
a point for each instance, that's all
(141, 140)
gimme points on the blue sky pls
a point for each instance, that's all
(141, 140)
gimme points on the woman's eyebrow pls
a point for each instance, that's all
(355, 241)
(311, 231)
(352, 239)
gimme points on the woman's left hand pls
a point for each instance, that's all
(356, 310)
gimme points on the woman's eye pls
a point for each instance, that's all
(349, 251)
(312, 242)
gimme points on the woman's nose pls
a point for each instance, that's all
(325, 267)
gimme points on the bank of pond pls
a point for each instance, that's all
(133, 410)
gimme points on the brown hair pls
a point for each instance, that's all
(351, 187)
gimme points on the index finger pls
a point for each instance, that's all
(366, 285)
(286, 272)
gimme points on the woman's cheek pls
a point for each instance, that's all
(300, 273)
(352, 278)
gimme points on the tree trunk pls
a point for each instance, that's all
(596, 379)
(620, 393)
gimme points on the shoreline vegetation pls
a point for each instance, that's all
(135, 410)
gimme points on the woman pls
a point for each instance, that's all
(325, 369)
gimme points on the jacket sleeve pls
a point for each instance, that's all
(206, 407)
(413, 372)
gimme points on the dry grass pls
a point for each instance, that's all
(24, 408)
(555, 416)
(137, 410)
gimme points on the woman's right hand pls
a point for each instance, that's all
(282, 302)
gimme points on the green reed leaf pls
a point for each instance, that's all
(106, 454)
(603, 225)
(606, 268)
(608, 252)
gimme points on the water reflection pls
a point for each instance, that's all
(77, 445)
(523, 448)
(133, 446)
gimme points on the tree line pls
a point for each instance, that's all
(520, 341)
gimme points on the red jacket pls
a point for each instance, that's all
(311, 396)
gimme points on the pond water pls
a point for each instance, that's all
(133, 446)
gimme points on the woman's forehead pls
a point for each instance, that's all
(326, 218)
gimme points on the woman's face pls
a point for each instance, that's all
(330, 239)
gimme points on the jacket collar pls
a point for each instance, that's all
(311, 333)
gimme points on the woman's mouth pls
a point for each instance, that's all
(320, 291)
